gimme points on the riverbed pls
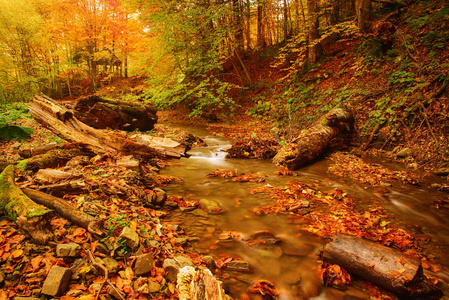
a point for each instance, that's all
(291, 261)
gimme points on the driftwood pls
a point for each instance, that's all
(384, 266)
(102, 113)
(312, 142)
(62, 122)
(65, 210)
(32, 217)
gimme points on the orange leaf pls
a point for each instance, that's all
(17, 253)
(394, 273)
(371, 265)
(426, 266)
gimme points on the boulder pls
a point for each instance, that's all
(173, 265)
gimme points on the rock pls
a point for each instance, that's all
(143, 265)
(153, 244)
(210, 206)
(153, 286)
(129, 162)
(130, 237)
(110, 264)
(16, 146)
(68, 250)
(210, 262)
(172, 266)
(74, 293)
(56, 282)
(404, 152)
(187, 208)
(181, 241)
(159, 197)
(238, 265)
(201, 213)
(171, 204)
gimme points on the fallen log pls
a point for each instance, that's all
(66, 211)
(312, 142)
(102, 113)
(32, 151)
(384, 266)
(30, 216)
(52, 158)
(62, 122)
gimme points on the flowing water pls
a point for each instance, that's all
(290, 264)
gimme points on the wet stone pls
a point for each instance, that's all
(200, 212)
(68, 250)
(172, 266)
(159, 197)
(210, 206)
(238, 265)
(171, 204)
(56, 282)
(187, 208)
(181, 241)
(210, 262)
(143, 265)
(153, 244)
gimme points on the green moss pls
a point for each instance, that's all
(22, 166)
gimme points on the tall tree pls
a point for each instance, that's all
(313, 34)
(363, 11)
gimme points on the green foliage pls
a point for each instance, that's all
(13, 132)
(401, 78)
(9, 114)
(113, 226)
(262, 108)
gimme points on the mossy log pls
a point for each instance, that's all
(65, 210)
(102, 113)
(32, 217)
(53, 158)
(384, 266)
(62, 122)
(312, 142)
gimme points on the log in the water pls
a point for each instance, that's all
(62, 122)
(102, 113)
(384, 266)
(313, 141)
(32, 217)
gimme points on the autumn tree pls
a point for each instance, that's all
(313, 33)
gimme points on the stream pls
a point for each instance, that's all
(292, 263)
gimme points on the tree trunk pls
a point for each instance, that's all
(32, 217)
(313, 141)
(386, 267)
(314, 34)
(65, 210)
(102, 113)
(261, 42)
(363, 11)
(65, 125)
